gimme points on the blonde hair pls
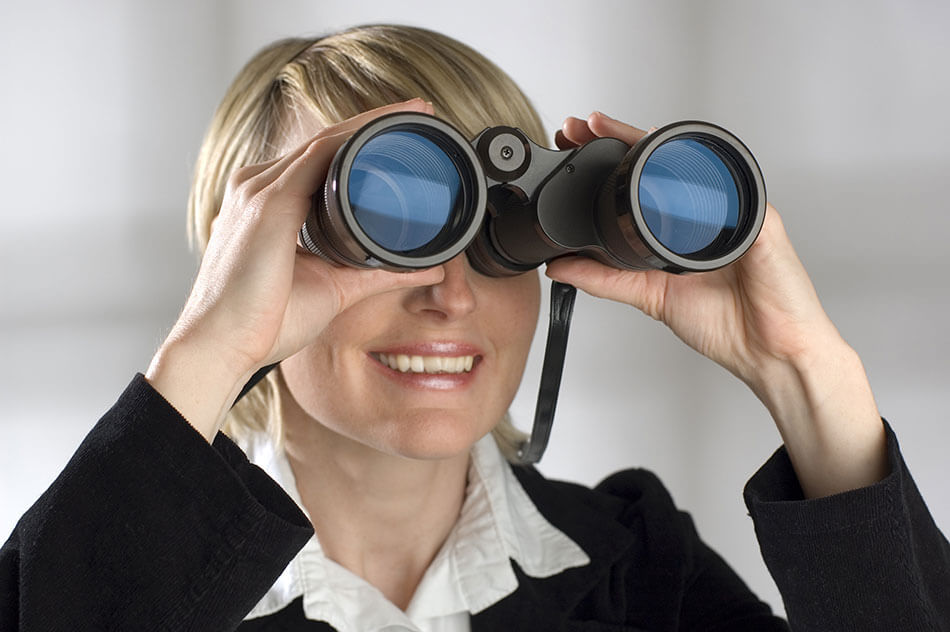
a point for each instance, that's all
(333, 78)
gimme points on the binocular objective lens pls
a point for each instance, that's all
(404, 190)
(689, 196)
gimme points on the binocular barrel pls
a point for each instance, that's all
(409, 191)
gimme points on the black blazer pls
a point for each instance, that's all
(150, 528)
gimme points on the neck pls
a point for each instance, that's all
(383, 517)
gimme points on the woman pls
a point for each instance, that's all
(375, 424)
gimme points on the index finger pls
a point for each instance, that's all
(302, 171)
(576, 131)
(602, 125)
(352, 124)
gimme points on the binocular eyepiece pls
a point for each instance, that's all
(409, 191)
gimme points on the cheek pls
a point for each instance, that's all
(514, 316)
(521, 316)
(306, 369)
(330, 365)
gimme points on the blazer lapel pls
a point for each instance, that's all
(550, 603)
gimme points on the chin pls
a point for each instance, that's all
(432, 437)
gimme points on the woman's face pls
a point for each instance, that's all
(421, 372)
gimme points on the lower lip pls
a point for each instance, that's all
(428, 381)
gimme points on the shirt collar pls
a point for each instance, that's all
(498, 524)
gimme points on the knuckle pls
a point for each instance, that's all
(340, 297)
(246, 192)
(240, 177)
(238, 187)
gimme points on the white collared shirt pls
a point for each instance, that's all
(472, 571)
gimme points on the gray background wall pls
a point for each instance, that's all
(844, 103)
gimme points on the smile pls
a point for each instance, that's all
(426, 364)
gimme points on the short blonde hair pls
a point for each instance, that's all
(333, 78)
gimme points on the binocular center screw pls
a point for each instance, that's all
(507, 152)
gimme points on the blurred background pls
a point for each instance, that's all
(844, 103)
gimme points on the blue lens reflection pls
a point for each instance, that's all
(403, 189)
(688, 195)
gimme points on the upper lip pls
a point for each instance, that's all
(447, 348)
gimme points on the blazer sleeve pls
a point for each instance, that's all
(870, 559)
(148, 528)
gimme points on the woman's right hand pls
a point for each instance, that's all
(258, 297)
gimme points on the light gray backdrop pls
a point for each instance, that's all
(844, 103)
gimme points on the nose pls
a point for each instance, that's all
(450, 299)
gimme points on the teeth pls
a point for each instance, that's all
(426, 364)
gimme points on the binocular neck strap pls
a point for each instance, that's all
(562, 306)
(251, 383)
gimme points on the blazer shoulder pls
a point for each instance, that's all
(632, 497)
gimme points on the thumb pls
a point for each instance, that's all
(641, 289)
(366, 283)
(347, 285)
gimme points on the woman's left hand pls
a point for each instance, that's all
(761, 319)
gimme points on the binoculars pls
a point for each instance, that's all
(409, 191)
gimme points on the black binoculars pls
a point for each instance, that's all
(409, 191)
